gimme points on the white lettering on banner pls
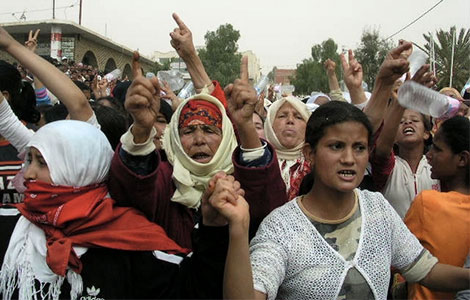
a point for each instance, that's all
(6, 198)
(10, 183)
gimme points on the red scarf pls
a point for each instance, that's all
(200, 110)
(85, 216)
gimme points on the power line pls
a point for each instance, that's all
(37, 10)
(415, 20)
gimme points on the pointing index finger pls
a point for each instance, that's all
(178, 21)
(136, 68)
(244, 69)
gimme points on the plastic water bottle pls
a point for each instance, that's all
(114, 74)
(261, 85)
(173, 77)
(149, 75)
(417, 97)
(187, 91)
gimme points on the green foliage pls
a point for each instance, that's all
(443, 55)
(160, 67)
(271, 74)
(310, 74)
(220, 57)
(371, 53)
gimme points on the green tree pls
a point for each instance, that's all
(310, 74)
(220, 57)
(443, 56)
(371, 53)
(160, 67)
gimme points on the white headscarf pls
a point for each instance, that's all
(77, 154)
(315, 95)
(191, 177)
(281, 151)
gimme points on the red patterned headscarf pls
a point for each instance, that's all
(200, 110)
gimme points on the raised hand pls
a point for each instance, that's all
(241, 97)
(425, 77)
(406, 53)
(223, 202)
(32, 42)
(395, 64)
(330, 67)
(182, 38)
(352, 71)
(169, 94)
(142, 101)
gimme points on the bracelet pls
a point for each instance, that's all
(204, 87)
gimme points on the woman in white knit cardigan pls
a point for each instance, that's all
(335, 242)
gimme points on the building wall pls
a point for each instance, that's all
(254, 67)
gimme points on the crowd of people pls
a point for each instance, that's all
(118, 189)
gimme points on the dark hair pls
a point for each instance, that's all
(114, 103)
(332, 113)
(166, 110)
(22, 96)
(327, 115)
(113, 123)
(120, 90)
(55, 113)
(82, 86)
(262, 119)
(456, 133)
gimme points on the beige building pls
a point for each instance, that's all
(254, 67)
(65, 39)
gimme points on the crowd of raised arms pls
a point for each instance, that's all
(118, 189)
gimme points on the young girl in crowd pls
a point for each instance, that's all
(335, 242)
(440, 220)
(402, 176)
(72, 241)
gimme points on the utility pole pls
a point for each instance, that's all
(80, 14)
(53, 9)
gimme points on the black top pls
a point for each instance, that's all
(119, 274)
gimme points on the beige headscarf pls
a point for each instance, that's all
(191, 177)
(281, 151)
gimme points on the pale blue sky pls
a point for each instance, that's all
(280, 33)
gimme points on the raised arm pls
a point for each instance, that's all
(353, 75)
(242, 100)
(223, 202)
(41, 93)
(142, 102)
(386, 139)
(393, 67)
(56, 81)
(182, 41)
(330, 67)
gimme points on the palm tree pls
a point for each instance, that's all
(443, 41)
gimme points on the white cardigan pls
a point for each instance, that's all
(291, 260)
